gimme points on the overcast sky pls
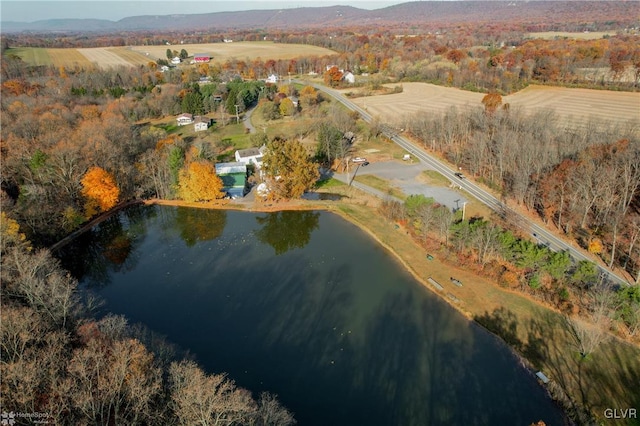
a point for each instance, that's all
(30, 11)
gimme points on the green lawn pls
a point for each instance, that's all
(31, 55)
(329, 183)
(381, 185)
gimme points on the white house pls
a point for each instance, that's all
(201, 123)
(184, 119)
(251, 156)
(176, 60)
(273, 78)
(349, 77)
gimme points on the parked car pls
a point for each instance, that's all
(366, 163)
(359, 160)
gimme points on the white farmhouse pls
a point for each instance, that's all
(251, 156)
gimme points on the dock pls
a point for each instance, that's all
(435, 283)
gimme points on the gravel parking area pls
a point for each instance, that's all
(406, 177)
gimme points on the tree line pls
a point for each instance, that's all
(585, 182)
(497, 249)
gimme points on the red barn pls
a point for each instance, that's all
(201, 57)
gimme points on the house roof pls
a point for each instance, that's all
(201, 55)
(228, 168)
(202, 119)
(185, 115)
(249, 152)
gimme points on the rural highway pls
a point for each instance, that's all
(541, 234)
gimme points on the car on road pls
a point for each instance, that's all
(366, 163)
(359, 160)
(459, 175)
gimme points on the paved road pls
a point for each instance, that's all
(543, 235)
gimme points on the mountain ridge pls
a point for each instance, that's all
(411, 13)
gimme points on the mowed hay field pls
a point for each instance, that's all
(571, 106)
(221, 52)
(108, 57)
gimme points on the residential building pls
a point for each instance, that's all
(273, 79)
(184, 119)
(250, 156)
(201, 123)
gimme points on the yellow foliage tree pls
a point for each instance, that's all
(198, 181)
(100, 190)
(10, 234)
(595, 246)
(286, 107)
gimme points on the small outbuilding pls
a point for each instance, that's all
(234, 178)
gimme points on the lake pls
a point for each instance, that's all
(305, 305)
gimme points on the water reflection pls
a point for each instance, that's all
(337, 330)
(287, 230)
(197, 225)
(109, 247)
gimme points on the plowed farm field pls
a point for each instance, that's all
(575, 107)
(106, 57)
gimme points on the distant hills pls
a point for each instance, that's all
(592, 15)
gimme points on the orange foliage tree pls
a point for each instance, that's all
(100, 190)
(491, 102)
(198, 182)
(333, 76)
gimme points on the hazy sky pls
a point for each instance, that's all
(30, 11)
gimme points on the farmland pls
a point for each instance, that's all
(575, 106)
(107, 57)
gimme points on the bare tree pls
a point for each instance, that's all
(271, 413)
(198, 398)
(587, 336)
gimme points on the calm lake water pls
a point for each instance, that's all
(307, 306)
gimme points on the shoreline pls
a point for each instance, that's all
(479, 299)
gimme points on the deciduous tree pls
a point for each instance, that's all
(289, 170)
(100, 190)
(198, 181)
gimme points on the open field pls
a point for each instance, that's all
(114, 57)
(32, 55)
(577, 36)
(573, 106)
(68, 58)
(106, 57)
(221, 52)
